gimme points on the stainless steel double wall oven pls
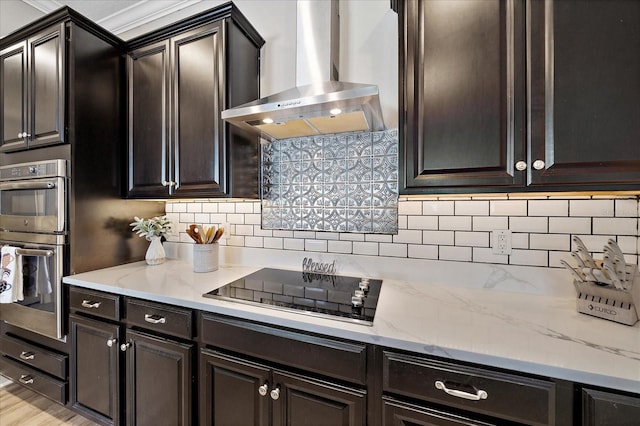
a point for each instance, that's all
(33, 218)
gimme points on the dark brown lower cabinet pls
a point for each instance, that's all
(241, 392)
(397, 413)
(95, 369)
(600, 408)
(158, 383)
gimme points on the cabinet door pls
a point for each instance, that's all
(13, 97)
(148, 90)
(462, 94)
(609, 409)
(585, 85)
(198, 150)
(234, 392)
(302, 400)
(46, 87)
(402, 414)
(159, 381)
(95, 369)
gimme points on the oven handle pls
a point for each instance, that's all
(34, 252)
(8, 186)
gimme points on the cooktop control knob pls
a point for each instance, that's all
(364, 284)
(359, 293)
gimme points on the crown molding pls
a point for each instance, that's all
(136, 15)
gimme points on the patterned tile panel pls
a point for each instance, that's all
(342, 183)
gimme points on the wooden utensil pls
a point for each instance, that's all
(218, 234)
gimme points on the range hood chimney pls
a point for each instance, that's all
(319, 104)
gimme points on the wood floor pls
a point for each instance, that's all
(21, 407)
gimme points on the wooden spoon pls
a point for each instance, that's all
(197, 233)
(192, 235)
(218, 234)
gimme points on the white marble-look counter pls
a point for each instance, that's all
(518, 318)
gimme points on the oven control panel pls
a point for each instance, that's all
(51, 168)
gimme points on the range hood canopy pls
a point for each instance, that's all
(325, 106)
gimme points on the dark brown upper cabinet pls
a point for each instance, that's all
(33, 90)
(504, 95)
(180, 78)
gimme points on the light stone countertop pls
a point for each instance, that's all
(486, 314)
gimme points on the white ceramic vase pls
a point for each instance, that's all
(155, 253)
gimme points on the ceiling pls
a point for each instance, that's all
(117, 16)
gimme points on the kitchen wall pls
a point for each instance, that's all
(443, 228)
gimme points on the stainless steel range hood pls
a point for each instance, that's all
(319, 104)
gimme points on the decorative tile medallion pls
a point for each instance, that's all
(346, 182)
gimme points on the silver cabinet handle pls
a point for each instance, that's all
(26, 379)
(27, 355)
(125, 346)
(112, 342)
(275, 393)
(521, 165)
(538, 164)
(20, 135)
(154, 319)
(168, 183)
(90, 304)
(480, 394)
(262, 390)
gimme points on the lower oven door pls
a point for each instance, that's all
(41, 257)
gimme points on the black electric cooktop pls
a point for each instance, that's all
(337, 297)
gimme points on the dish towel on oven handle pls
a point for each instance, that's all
(11, 282)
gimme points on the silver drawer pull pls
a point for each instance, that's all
(26, 379)
(154, 319)
(90, 304)
(264, 389)
(27, 355)
(480, 394)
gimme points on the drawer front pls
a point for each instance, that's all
(96, 303)
(30, 378)
(161, 318)
(497, 394)
(35, 356)
(324, 356)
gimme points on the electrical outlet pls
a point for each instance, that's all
(501, 241)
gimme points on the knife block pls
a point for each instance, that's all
(608, 302)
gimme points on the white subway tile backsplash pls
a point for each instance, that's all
(315, 245)
(340, 247)
(410, 207)
(472, 239)
(379, 238)
(485, 255)
(422, 222)
(528, 224)
(550, 241)
(471, 208)
(227, 207)
(408, 236)
(591, 208)
(416, 251)
(442, 227)
(569, 225)
(393, 250)
(529, 257)
(368, 249)
(615, 226)
(438, 208)
(293, 244)
(489, 223)
(462, 254)
(556, 256)
(440, 238)
(254, 242)
(194, 208)
(508, 208)
(455, 223)
(548, 208)
(273, 243)
(626, 208)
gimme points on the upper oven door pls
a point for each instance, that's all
(33, 205)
